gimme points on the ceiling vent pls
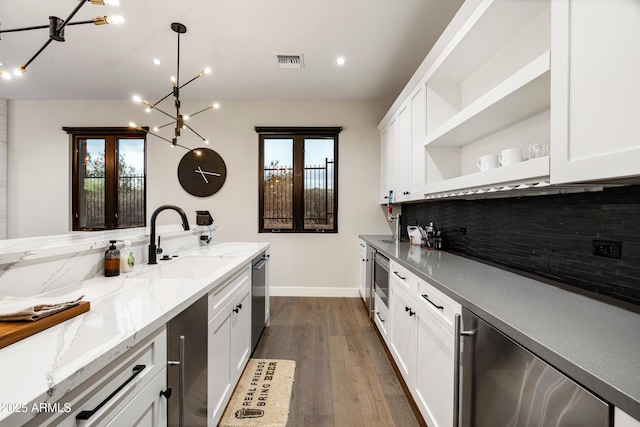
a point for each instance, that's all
(290, 61)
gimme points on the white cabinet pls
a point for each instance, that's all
(229, 343)
(403, 330)
(489, 90)
(595, 134)
(388, 161)
(421, 341)
(125, 392)
(622, 419)
(403, 153)
(362, 269)
(147, 409)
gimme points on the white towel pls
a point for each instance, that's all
(15, 308)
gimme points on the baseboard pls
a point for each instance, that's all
(313, 292)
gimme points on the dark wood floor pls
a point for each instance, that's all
(343, 375)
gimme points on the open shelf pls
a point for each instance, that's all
(529, 170)
(524, 94)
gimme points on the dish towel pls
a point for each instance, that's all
(15, 308)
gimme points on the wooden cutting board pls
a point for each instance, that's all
(11, 332)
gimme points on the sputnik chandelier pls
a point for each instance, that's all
(56, 30)
(179, 120)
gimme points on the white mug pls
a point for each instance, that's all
(510, 156)
(488, 161)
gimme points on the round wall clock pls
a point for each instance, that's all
(202, 172)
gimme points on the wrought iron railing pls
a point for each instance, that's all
(317, 196)
(131, 201)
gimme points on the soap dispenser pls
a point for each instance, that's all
(112, 260)
(127, 258)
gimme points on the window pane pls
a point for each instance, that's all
(319, 184)
(278, 183)
(91, 179)
(131, 206)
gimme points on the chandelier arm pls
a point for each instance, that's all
(199, 75)
(72, 14)
(204, 109)
(164, 112)
(165, 125)
(24, 67)
(15, 30)
(163, 98)
(192, 130)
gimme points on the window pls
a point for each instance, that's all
(109, 178)
(298, 179)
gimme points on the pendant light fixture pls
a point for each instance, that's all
(179, 120)
(56, 29)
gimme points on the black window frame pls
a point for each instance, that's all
(111, 135)
(298, 134)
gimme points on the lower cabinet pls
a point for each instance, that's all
(433, 390)
(403, 331)
(421, 341)
(124, 393)
(229, 344)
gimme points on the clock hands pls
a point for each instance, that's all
(203, 173)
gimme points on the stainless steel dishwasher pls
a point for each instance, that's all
(258, 297)
(503, 384)
(187, 370)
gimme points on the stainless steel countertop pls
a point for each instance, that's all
(593, 340)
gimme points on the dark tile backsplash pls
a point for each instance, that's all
(550, 236)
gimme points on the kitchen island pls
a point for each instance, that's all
(592, 340)
(125, 310)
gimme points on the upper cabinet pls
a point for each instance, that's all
(488, 91)
(558, 75)
(595, 90)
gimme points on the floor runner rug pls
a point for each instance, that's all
(262, 395)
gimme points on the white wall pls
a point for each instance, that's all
(3, 168)
(302, 264)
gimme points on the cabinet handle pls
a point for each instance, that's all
(439, 307)
(457, 335)
(396, 273)
(85, 415)
(181, 376)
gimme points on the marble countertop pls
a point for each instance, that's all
(124, 310)
(593, 340)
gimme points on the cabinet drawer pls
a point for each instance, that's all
(402, 276)
(440, 306)
(126, 375)
(219, 296)
(381, 317)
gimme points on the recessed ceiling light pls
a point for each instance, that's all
(340, 60)
(157, 61)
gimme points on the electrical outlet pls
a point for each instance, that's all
(607, 248)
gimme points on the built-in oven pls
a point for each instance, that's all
(381, 277)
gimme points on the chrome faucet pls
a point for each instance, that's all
(152, 239)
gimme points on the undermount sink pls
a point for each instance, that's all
(187, 267)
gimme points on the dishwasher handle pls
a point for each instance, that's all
(458, 335)
(261, 262)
